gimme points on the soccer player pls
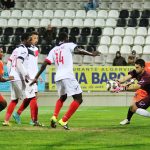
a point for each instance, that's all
(67, 85)
(141, 100)
(20, 88)
(32, 71)
(3, 102)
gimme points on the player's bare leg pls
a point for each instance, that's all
(72, 109)
(9, 112)
(58, 107)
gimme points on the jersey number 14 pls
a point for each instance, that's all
(59, 58)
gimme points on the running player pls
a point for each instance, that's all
(141, 100)
(20, 88)
(3, 102)
(67, 85)
(32, 70)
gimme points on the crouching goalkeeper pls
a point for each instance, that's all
(141, 99)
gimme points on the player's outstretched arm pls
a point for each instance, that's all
(81, 51)
(6, 79)
(39, 72)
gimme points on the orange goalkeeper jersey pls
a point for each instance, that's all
(139, 95)
(1, 68)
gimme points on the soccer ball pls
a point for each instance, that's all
(111, 85)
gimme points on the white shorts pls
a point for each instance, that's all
(68, 86)
(21, 90)
(35, 87)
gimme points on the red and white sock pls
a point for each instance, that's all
(23, 106)
(72, 108)
(58, 106)
(34, 109)
(10, 109)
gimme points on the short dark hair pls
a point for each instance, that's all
(34, 33)
(25, 36)
(140, 62)
(62, 36)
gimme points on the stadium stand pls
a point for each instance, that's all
(115, 24)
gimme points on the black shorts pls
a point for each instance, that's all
(144, 103)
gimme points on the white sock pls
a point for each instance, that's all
(143, 112)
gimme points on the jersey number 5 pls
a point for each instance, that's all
(59, 58)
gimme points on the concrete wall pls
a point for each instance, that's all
(89, 98)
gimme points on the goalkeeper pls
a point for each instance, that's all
(141, 99)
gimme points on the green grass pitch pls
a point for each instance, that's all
(92, 128)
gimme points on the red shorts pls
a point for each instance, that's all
(139, 95)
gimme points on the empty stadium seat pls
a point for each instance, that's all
(111, 22)
(12, 22)
(116, 40)
(23, 22)
(113, 49)
(16, 40)
(113, 14)
(119, 31)
(102, 14)
(105, 40)
(75, 31)
(34, 22)
(3, 22)
(30, 29)
(19, 31)
(139, 40)
(144, 22)
(27, 13)
(44, 22)
(127, 40)
(103, 49)
(8, 31)
(132, 22)
(70, 14)
(97, 31)
(88, 22)
(125, 49)
(5, 14)
(99, 23)
(138, 49)
(91, 14)
(135, 14)
(108, 31)
(63, 29)
(80, 14)
(59, 14)
(48, 14)
(142, 31)
(124, 14)
(94, 40)
(56, 22)
(37, 14)
(82, 40)
(145, 13)
(16, 14)
(86, 31)
(78, 22)
(147, 40)
(130, 31)
(121, 22)
(67, 22)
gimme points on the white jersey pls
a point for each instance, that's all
(20, 52)
(33, 61)
(62, 57)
